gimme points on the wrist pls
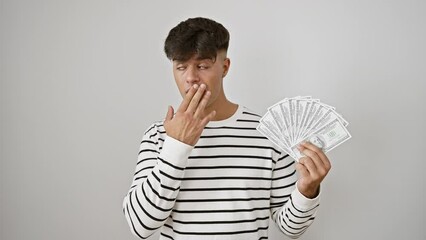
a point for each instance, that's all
(310, 193)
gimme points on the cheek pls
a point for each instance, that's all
(180, 86)
(216, 86)
(215, 91)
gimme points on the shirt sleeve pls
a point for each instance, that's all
(156, 182)
(290, 210)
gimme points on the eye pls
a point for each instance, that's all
(203, 67)
(180, 68)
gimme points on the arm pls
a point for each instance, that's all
(290, 210)
(158, 176)
(156, 183)
(300, 206)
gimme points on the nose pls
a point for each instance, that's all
(191, 76)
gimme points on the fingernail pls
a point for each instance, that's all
(195, 86)
(203, 85)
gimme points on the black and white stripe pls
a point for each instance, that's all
(227, 186)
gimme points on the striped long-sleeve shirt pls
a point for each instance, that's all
(225, 187)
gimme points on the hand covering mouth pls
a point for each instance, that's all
(187, 90)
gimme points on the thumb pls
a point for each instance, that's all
(170, 113)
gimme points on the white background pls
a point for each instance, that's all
(82, 80)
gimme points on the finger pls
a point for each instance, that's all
(196, 99)
(187, 99)
(203, 104)
(319, 152)
(301, 147)
(170, 113)
(208, 118)
(303, 171)
(321, 170)
(312, 147)
(309, 164)
(314, 157)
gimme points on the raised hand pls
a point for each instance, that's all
(312, 169)
(190, 119)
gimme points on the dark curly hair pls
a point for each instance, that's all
(196, 36)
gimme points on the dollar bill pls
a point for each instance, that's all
(328, 137)
(274, 139)
(293, 120)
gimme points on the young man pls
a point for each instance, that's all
(205, 172)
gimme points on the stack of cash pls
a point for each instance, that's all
(293, 120)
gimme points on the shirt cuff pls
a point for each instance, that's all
(176, 151)
(302, 202)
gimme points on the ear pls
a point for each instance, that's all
(226, 65)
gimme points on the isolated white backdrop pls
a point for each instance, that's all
(82, 80)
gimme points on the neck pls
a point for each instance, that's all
(224, 109)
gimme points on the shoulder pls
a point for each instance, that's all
(154, 127)
(155, 130)
(243, 120)
(248, 115)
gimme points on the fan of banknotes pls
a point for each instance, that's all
(293, 120)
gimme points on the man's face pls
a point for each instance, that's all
(202, 71)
